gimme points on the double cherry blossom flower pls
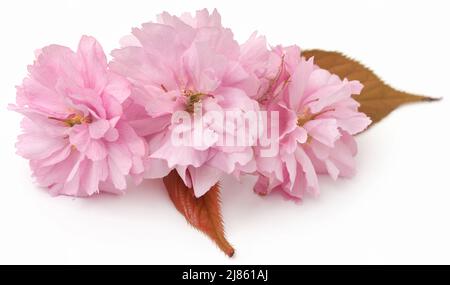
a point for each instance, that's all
(173, 65)
(90, 125)
(318, 118)
(75, 134)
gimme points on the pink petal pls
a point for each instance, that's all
(38, 146)
(203, 178)
(298, 84)
(323, 130)
(96, 150)
(121, 158)
(312, 183)
(57, 156)
(94, 59)
(79, 137)
(291, 167)
(184, 175)
(91, 177)
(98, 129)
(156, 168)
(112, 135)
(118, 87)
(116, 175)
(72, 186)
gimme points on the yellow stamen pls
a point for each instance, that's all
(74, 119)
(77, 119)
(304, 117)
(193, 98)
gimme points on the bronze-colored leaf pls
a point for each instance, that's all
(377, 98)
(203, 213)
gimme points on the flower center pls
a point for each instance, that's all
(192, 98)
(304, 117)
(77, 119)
(74, 119)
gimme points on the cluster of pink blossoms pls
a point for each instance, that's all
(91, 125)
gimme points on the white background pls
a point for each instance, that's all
(396, 210)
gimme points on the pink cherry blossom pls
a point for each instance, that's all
(318, 118)
(74, 132)
(174, 64)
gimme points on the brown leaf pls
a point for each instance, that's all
(377, 99)
(203, 213)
